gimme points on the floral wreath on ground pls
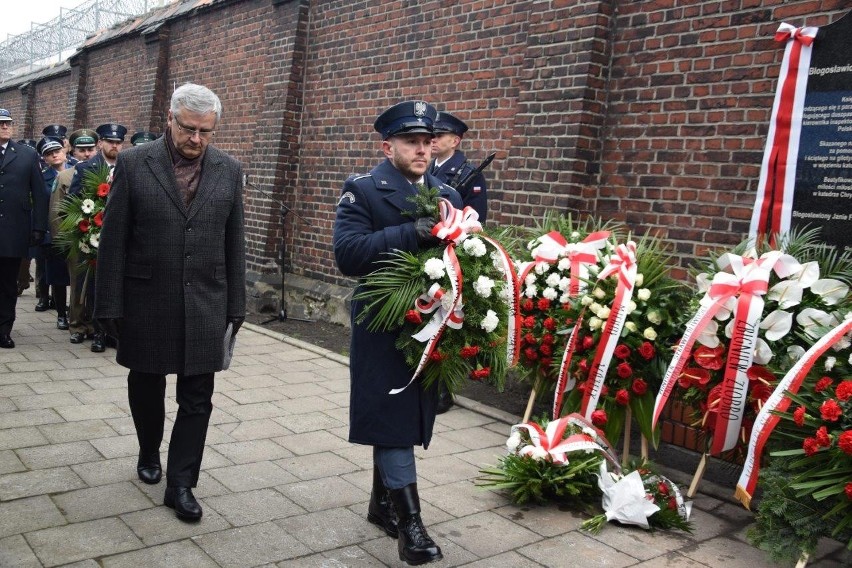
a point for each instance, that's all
(552, 269)
(624, 367)
(455, 306)
(551, 461)
(81, 217)
(760, 310)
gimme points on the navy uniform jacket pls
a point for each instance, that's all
(93, 164)
(474, 195)
(370, 222)
(23, 201)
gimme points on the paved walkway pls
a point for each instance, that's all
(280, 485)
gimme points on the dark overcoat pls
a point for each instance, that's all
(371, 221)
(172, 274)
(475, 193)
(23, 200)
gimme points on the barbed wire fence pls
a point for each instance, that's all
(55, 40)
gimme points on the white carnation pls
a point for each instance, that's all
(575, 236)
(513, 442)
(434, 268)
(541, 268)
(643, 294)
(563, 264)
(530, 279)
(829, 363)
(489, 322)
(564, 284)
(538, 453)
(550, 293)
(87, 206)
(447, 301)
(483, 286)
(552, 280)
(531, 292)
(474, 247)
(565, 298)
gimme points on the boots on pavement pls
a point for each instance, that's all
(414, 544)
(381, 512)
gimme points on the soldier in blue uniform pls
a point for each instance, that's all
(60, 132)
(371, 221)
(450, 163)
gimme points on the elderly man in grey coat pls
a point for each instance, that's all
(171, 279)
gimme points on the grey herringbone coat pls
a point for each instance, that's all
(173, 275)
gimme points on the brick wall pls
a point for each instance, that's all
(652, 112)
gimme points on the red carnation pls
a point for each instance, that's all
(549, 324)
(647, 351)
(545, 362)
(83, 226)
(622, 351)
(799, 416)
(823, 384)
(469, 351)
(531, 354)
(103, 190)
(822, 437)
(622, 397)
(830, 410)
(527, 305)
(810, 446)
(639, 387)
(844, 442)
(548, 339)
(529, 338)
(413, 316)
(529, 322)
(543, 304)
(599, 417)
(848, 491)
(437, 356)
(624, 370)
(709, 358)
(844, 391)
(583, 366)
(546, 350)
(98, 218)
(479, 374)
(588, 342)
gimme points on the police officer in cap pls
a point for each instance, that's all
(143, 137)
(451, 164)
(372, 220)
(110, 139)
(59, 131)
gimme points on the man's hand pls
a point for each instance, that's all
(423, 228)
(237, 323)
(36, 238)
(110, 326)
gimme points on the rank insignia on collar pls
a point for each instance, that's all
(383, 182)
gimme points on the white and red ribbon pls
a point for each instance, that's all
(773, 208)
(778, 401)
(513, 336)
(455, 224)
(554, 246)
(557, 449)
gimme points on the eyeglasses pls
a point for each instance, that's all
(202, 132)
(6, 124)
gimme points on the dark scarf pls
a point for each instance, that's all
(187, 172)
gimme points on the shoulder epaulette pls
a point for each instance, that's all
(356, 177)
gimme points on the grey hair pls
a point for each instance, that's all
(195, 98)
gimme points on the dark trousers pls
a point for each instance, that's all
(9, 268)
(396, 466)
(80, 305)
(146, 392)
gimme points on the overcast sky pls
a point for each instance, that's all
(18, 14)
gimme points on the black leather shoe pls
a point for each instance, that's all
(6, 341)
(380, 511)
(42, 305)
(183, 502)
(61, 322)
(77, 337)
(98, 345)
(149, 470)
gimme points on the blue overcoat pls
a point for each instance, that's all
(475, 194)
(371, 221)
(23, 201)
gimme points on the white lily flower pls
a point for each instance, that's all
(830, 290)
(808, 274)
(702, 282)
(729, 329)
(787, 293)
(777, 324)
(762, 352)
(795, 352)
(726, 309)
(814, 321)
(708, 336)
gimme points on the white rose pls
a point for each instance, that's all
(474, 247)
(829, 363)
(550, 293)
(599, 294)
(575, 236)
(434, 268)
(643, 294)
(639, 279)
(631, 307)
(552, 280)
(587, 300)
(595, 323)
(604, 312)
(87, 206)
(563, 265)
(513, 442)
(654, 317)
(630, 326)
(531, 292)
(483, 286)
(650, 334)
(489, 322)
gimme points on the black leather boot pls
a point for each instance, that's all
(414, 545)
(380, 512)
(445, 399)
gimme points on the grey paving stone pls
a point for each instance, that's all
(486, 457)
(117, 446)
(258, 429)
(15, 552)
(505, 560)
(100, 502)
(159, 525)
(577, 546)
(80, 374)
(317, 465)
(362, 456)
(29, 514)
(439, 446)
(221, 400)
(104, 472)
(294, 377)
(337, 385)
(476, 438)
(102, 396)
(461, 418)
(350, 556)
(74, 431)
(640, 543)
(726, 551)
(124, 426)
(442, 470)
(254, 376)
(546, 520)
(325, 530)
(61, 545)
(9, 462)
(337, 398)
(6, 405)
(249, 451)
(677, 560)
(82, 564)
(29, 418)
(255, 411)
(253, 507)
(312, 442)
(11, 357)
(23, 378)
(304, 405)
(60, 386)
(181, 554)
(26, 366)
(17, 390)
(484, 534)
(38, 482)
(252, 545)
(462, 498)
(326, 493)
(301, 390)
(250, 476)
(253, 396)
(55, 455)
(90, 412)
